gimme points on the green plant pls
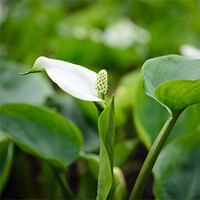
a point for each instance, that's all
(173, 81)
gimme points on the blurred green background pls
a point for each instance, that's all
(118, 36)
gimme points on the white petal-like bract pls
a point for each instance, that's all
(74, 79)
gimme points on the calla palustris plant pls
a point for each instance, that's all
(85, 84)
(173, 81)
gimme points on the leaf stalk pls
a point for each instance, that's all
(150, 160)
(63, 183)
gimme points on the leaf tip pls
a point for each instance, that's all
(24, 73)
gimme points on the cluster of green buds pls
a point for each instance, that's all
(102, 82)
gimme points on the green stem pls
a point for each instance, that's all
(100, 105)
(63, 183)
(152, 156)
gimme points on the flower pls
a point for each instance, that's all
(76, 80)
(102, 82)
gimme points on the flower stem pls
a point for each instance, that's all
(152, 156)
(63, 183)
(100, 106)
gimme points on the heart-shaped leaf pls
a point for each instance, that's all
(173, 81)
(178, 94)
(177, 169)
(149, 129)
(42, 133)
(67, 106)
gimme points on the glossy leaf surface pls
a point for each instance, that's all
(67, 106)
(178, 94)
(173, 81)
(42, 133)
(150, 116)
(177, 169)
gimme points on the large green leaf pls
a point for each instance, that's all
(178, 94)
(147, 108)
(41, 132)
(15, 88)
(173, 81)
(6, 157)
(69, 108)
(107, 138)
(177, 169)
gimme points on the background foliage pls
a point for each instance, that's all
(118, 36)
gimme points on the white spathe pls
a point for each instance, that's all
(74, 79)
